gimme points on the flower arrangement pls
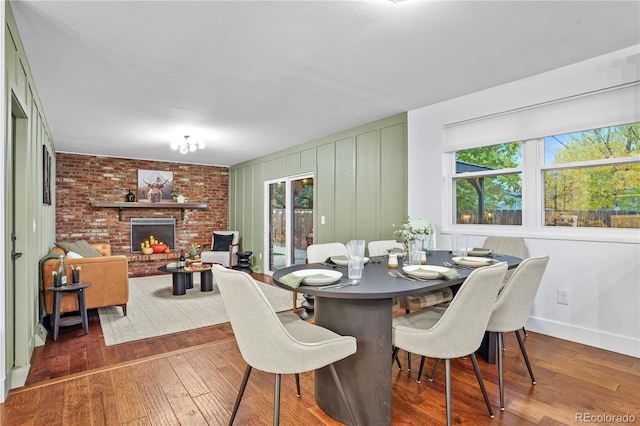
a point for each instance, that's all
(193, 250)
(405, 232)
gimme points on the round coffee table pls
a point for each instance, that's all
(183, 278)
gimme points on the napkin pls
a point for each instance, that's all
(395, 250)
(344, 258)
(450, 274)
(292, 280)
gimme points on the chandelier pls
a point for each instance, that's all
(187, 145)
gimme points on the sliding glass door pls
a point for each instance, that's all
(289, 220)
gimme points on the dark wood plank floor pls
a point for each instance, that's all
(191, 378)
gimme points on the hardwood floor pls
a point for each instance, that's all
(191, 378)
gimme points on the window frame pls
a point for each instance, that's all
(532, 170)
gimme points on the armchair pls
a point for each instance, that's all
(223, 249)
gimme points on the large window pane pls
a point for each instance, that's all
(598, 144)
(493, 200)
(603, 196)
(487, 189)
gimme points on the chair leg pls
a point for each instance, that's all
(474, 361)
(408, 353)
(394, 357)
(276, 401)
(295, 301)
(500, 344)
(435, 370)
(243, 385)
(343, 396)
(422, 358)
(524, 330)
(298, 384)
(447, 389)
(526, 358)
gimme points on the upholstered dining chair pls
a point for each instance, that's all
(454, 331)
(382, 247)
(317, 253)
(414, 302)
(223, 250)
(277, 343)
(321, 252)
(512, 246)
(512, 308)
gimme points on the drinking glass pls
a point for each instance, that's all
(460, 246)
(355, 255)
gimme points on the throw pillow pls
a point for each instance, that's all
(222, 242)
(81, 247)
(73, 255)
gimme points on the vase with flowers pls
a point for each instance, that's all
(193, 250)
(410, 236)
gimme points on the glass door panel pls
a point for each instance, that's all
(290, 221)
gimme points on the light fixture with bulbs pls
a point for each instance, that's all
(187, 145)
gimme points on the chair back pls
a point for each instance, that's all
(512, 246)
(261, 337)
(513, 306)
(460, 329)
(380, 247)
(321, 252)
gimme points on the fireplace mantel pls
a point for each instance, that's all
(137, 205)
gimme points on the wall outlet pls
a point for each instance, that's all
(563, 296)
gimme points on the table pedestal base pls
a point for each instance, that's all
(369, 321)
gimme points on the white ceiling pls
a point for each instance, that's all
(124, 78)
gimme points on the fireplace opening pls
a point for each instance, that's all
(163, 230)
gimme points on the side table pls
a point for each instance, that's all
(82, 318)
(244, 262)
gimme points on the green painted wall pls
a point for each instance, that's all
(32, 222)
(360, 184)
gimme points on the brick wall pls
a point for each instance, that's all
(81, 179)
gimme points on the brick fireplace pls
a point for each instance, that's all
(83, 179)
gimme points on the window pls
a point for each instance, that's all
(488, 185)
(592, 178)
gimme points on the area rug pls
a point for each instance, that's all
(153, 311)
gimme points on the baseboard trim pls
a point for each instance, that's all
(596, 338)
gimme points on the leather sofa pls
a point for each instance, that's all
(108, 275)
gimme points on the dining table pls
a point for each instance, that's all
(364, 310)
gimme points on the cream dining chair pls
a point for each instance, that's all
(415, 302)
(318, 253)
(512, 308)
(512, 246)
(454, 331)
(277, 343)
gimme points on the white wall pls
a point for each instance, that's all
(600, 267)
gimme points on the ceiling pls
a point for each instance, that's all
(124, 78)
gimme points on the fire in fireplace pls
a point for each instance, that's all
(160, 229)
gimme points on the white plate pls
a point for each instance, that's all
(480, 252)
(318, 276)
(342, 260)
(430, 272)
(473, 262)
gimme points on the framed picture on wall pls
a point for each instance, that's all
(154, 186)
(46, 175)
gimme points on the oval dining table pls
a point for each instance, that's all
(365, 311)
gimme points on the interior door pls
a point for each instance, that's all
(290, 220)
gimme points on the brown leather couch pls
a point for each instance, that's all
(108, 275)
